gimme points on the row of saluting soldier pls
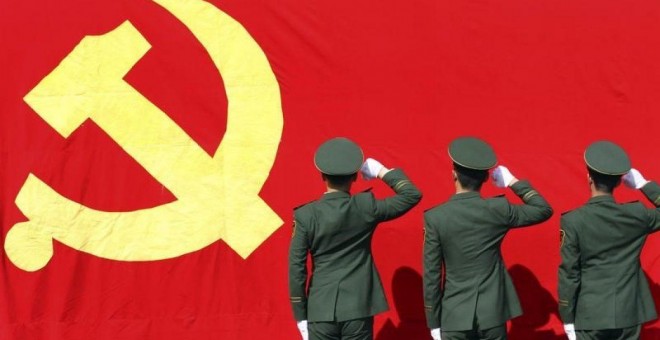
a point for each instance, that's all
(603, 293)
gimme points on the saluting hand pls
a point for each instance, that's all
(634, 179)
(502, 177)
(372, 169)
(435, 334)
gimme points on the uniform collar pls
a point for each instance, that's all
(601, 198)
(465, 195)
(335, 194)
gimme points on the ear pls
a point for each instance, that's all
(591, 181)
(355, 176)
(454, 175)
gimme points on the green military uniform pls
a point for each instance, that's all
(464, 235)
(602, 289)
(345, 290)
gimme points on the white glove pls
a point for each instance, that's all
(633, 179)
(435, 334)
(302, 327)
(569, 328)
(502, 177)
(371, 168)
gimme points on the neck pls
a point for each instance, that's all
(596, 193)
(337, 189)
(460, 189)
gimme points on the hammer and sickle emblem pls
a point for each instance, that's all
(216, 197)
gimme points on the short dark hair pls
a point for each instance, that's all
(339, 181)
(470, 179)
(604, 183)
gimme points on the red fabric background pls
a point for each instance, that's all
(539, 80)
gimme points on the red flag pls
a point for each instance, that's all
(152, 151)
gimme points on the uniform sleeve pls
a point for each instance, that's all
(432, 275)
(534, 210)
(298, 271)
(569, 271)
(652, 191)
(407, 196)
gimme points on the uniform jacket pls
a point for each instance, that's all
(337, 231)
(601, 283)
(464, 235)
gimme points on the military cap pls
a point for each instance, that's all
(338, 156)
(472, 153)
(607, 158)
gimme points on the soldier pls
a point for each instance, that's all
(345, 291)
(464, 235)
(603, 293)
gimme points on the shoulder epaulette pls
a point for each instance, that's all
(433, 207)
(497, 196)
(631, 202)
(304, 204)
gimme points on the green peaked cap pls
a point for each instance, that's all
(338, 157)
(607, 158)
(472, 153)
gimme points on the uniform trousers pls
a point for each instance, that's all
(495, 333)
(358, 329)
(629, 333)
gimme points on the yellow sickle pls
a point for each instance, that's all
(217, 197)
